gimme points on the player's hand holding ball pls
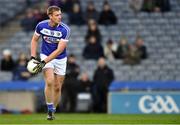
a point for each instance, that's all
(34, 66)
(31, 64)
(39, 66)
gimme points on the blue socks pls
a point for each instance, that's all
(54, 109)
(50, 107)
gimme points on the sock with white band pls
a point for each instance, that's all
(54, 109)
(50, 107)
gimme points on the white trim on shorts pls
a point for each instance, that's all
(59, 65)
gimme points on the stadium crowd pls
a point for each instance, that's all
(77, 81)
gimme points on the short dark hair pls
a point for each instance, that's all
(51, 9)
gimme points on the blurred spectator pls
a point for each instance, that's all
(141, 48)
(65, 5)
(70, 86)
(135, 5)
(28, 23)
(22, 56)
(84, 94)
(162, 5)
(93, 30)
(107, 16)
(76, 16)
(93, 50)
(133, 56)
(71, 4)
(37, 15)
(43, 12)
(110, 50)
(122, 49)
(40, 14)
(85, 85)
(7, 62)
(20, 72)
(91, 12)
(156, 6)
(54, 2)
(148, 5)
(102, 78)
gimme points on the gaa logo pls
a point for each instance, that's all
(158, 104)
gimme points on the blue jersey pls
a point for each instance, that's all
(51, 36)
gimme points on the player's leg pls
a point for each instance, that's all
(49, 91)
(48, 72)
(59, 71)
(49, 84)
(59, 80)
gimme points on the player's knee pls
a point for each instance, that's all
(49, 83)
(57, 88)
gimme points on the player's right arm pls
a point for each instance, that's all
(34, 44)
(34, 41)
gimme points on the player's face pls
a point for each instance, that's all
(56, 17)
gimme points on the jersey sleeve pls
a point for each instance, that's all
(65, 34)
(37, 30)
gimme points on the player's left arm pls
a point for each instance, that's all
(61, 46)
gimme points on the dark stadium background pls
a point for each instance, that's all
(153, 70)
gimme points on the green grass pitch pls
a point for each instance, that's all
(90, 119)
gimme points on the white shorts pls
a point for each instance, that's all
(59, 65)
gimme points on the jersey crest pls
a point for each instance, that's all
(51, 36)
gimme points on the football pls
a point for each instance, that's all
(31, 64)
